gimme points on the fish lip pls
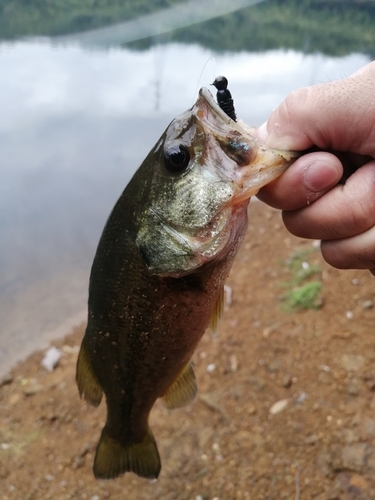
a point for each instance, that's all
(208, 97)
(216, 121)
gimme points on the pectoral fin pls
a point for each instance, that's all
(216, 314)
(183, 390)
(88, 385)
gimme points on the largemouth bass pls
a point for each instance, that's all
(158, 275)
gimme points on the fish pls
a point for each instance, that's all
(157, 279)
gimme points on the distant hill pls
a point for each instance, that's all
(334, 27)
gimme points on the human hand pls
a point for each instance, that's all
(338, 120)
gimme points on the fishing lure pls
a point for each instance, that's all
(224, 97)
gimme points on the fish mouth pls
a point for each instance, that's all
(253, 164)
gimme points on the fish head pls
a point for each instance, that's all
(202, 173)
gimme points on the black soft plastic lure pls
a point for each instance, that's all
(224, 97)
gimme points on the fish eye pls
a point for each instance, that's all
(176, 158)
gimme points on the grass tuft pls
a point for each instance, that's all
(305, 296)
(301, 291)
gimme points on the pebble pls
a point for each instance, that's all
(354, 456)
(352, 362)
(251, 409)
(211, 367)
(353, 387)
(233, 363)
(32, 389)
(6, 380)
(371, 384)
(287, 381)
(279, 406)
(228, 295)
(302, 396)
(51, 358)
(95, 497)
(368, 304)
(312, 439)
(77, 462)
(274, 365)
(325, 368)
(216, 447)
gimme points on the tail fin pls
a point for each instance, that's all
(113, 459)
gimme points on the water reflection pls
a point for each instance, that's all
(180, 15)
(74, 126)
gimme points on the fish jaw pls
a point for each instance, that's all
(255, 165)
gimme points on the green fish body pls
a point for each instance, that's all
(157, 279)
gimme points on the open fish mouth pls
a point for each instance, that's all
(256, 165)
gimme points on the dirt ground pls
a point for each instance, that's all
(318, 442)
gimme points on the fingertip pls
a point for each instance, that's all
(305, 181)
(322, 173)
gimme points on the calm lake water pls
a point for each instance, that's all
(74, 126)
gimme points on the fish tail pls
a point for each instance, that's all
(113, 458)
(87, 382)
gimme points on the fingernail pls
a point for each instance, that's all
(272, 140)
(262, 132)
(319, 176)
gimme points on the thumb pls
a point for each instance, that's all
(337, 115)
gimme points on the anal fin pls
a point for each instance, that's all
(183, 390)
(88, 385)
(113, 458)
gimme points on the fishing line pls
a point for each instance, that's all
(201, 73)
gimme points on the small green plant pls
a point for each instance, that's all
(305, 296)
(301, 291)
